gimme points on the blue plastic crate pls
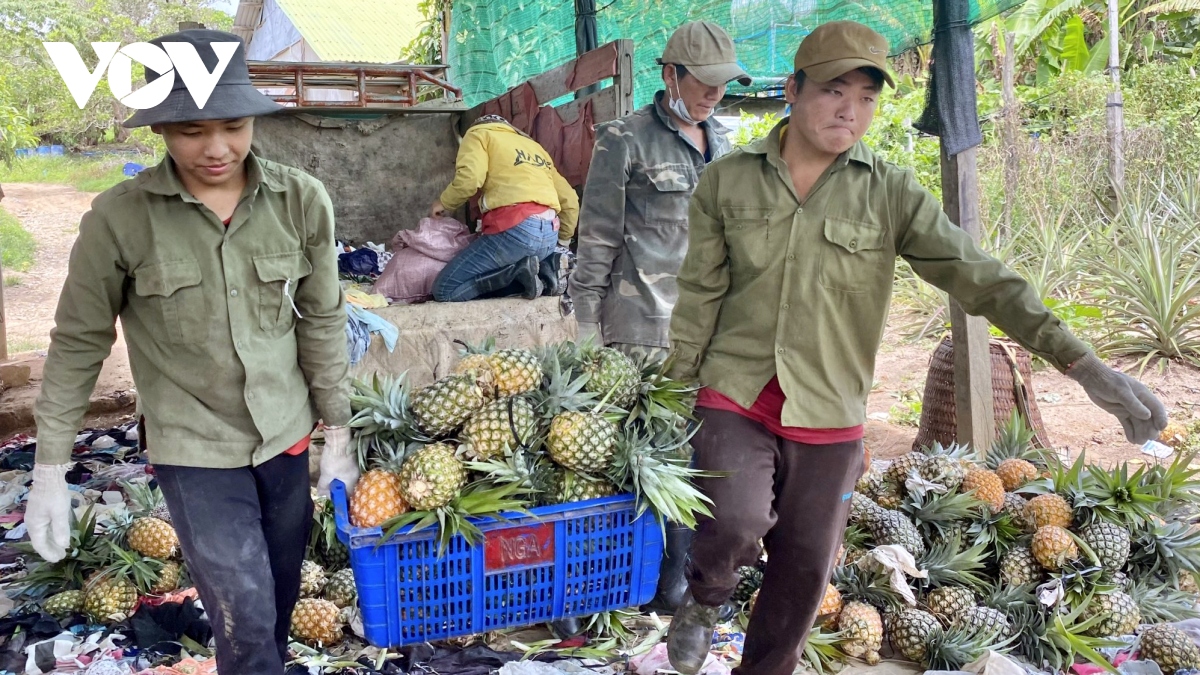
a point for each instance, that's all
(561, 561)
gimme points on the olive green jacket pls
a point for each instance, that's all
(773, 285)
(236, 335)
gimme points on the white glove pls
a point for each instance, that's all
(338, 461)
(590, 331)
(48, 513)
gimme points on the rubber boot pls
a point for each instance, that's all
(690, 636)
(672, 582)
(527, 277)
(553, 273)
(567, 628)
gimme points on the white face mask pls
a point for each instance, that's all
(678, 107)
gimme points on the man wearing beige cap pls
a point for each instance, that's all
(782, 301)
(633, 220)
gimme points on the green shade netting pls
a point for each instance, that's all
(497, 44)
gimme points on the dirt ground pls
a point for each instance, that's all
(51, 213)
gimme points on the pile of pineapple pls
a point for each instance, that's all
(1022, 553)
(515, 428)
(107, 570)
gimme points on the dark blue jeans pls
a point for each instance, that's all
(534, 237)
(243, 533)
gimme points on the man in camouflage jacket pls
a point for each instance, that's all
(633, 221)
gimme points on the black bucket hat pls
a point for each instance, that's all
(232, 98)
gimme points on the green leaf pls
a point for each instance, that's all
(1075, 52)
(1098, 60)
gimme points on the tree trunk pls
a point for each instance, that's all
(1009, 132)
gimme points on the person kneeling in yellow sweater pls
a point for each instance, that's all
(528, 208)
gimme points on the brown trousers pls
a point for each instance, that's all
(796, 498)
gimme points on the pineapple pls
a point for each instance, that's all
(324, 547)
(1110, 542)
(944, 470)
(1175, 434)
(512, 371)
(153, 538)
(749, 581)
(109, 598)
(891, 527)
(1045, 510)
(984, 622)
(911, 631)
(377, 497)
(1014, 506)
(1187, 583)
(445, 405)
(612, 375)
(1018, 567)
(1053, 547)
(1119, 615)
(949, 602)
(63, 605)
(988, 487)
(860, 508)
(831, 606)
(582, 442)
(498, 427)
(862, 631)
(567, 486)
(317, 622)
(1015, 473)
(431, 477)
(1013, 441)
(1169, 647)
(871, 481)
(904, 465)
(341, 589)
(312, 579)
(890, 495)
(168, 578)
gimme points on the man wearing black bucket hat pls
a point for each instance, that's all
(223, 270)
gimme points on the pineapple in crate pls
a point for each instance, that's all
(514, 372)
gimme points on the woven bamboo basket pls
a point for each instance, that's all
(1012, 389)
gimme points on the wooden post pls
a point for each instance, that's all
(3, 319)
(1116, 109)
(972, 358)
(1009, 130)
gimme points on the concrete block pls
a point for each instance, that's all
(14, 375)
(427, 351)
(382, 172)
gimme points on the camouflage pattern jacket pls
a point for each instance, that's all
(633, 223)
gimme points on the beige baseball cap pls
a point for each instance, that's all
(838, 47)
(706, 50)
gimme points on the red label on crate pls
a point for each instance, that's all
(519, 547)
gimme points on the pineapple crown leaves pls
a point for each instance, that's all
(1080, 582)
(953, 451)
(1119, 497)
(1160, 603)
(933, 512)
(870, 586)
(821, 651)
(477, 501)
(486, 347)
(142, 497)
(1072, 483)
(126, 565)
(957, 646)
(522, 466)
(1051, 638)
(85, 554)
(1015, 441)
(947, 565)
(1003, 596)
(662, 483)
(1175, 483)
(1166, 549)
(999, 532)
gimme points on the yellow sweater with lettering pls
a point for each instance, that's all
(510, 168)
